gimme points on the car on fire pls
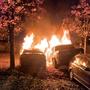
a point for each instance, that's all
(62, 55)
(80, 69)
(33, 61)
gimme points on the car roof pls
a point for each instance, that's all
(63, 47)
(32, 51)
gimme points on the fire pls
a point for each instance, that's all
(65, 39)
(79, 62)
(54, 41)
(46, 45)
(43, 45)
(28, 40)
(84, 64)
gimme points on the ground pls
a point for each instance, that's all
(53, 80)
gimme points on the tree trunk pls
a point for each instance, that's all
(85, 45)
(11, 42)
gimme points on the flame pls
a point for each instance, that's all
(46, 46)
(43, 45)
(54, 41)
(28, 40)
(84, 64)
(65, 39)
(79, 62)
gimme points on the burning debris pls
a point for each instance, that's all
(46, 45)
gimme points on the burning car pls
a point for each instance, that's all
(33, 61)
(45, 44)
(62, 55)
(80, 69)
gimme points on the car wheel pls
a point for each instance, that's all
(54, 63)
(71, 75)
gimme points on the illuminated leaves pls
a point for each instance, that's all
(15, 13)
(81, 13)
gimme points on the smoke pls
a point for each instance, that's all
(42, 28)
(49, 19)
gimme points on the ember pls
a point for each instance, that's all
(46, 45)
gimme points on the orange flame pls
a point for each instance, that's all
(79, 62)
(65, 39)
(43, 45)
(54, 41)
(28, 40)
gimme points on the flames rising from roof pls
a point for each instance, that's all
(46, 45)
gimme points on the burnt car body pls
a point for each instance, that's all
(62, 55)
(80, 69)
(33, 61)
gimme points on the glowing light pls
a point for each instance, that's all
(28, 40)
(65, 39)
(77, 61)
(54, 41)
(84, 64)
(46, 46)
(43, 45)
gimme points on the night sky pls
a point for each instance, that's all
(59, 9)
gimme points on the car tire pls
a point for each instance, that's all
(54, 63)
(71, 75)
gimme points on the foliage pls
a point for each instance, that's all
(16, 12)
(81, 14)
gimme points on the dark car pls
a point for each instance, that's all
(33, 61)
(80, 69)
(62, 55)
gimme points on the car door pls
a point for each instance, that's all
(85, 72)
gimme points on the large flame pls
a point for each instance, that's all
(28, 40)
(54, 41)
(43, 45)
(46, 46)
(79, 62)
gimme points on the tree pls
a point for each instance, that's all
(81, 14)
(12, 17)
